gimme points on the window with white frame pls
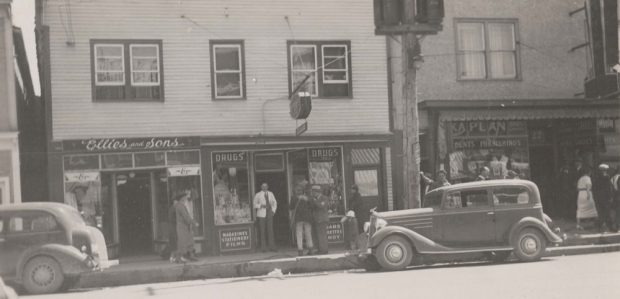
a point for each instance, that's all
(127, 70)
(227, 70)
(486, 49)
(321, 68)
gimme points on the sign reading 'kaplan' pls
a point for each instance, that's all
(128, 144)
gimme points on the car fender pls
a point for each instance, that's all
(71, 260)
(533, 223)
(419, 242)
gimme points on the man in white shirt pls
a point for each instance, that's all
(265, 205)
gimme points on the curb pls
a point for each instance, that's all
(334, 262)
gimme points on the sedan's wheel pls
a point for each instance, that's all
(394, 253)
(530, 245)
(42, 275)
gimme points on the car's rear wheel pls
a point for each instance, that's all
(394, 253)
(529, 245)
(42, 275)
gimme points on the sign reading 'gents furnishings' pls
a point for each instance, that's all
(130, 144)
(235, 239)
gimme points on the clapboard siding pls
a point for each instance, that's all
(188, 108)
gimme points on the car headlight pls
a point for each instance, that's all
(380, 223)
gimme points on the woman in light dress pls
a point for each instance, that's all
(585, 203)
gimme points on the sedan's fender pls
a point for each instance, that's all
(72, 261)
(419, 242)
(533, 223)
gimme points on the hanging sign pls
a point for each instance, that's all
(82, 177)
(183, 171)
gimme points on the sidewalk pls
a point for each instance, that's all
(151, 269)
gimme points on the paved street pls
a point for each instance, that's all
(582, 276)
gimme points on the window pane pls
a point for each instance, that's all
(228, 84)
(183, 157)
(511, 196)
(472, 65)
(365, 156)
(334, 51)
(117, 161)
(334, 63)
(270, 162)
(334, 76)
(309, 85)
(85, 196)
(81, 162)
(113, 51)
(501, 36)
(149, 159)
(470, 36)
(145, 77)
(144, 64)
(143, 51)
(109, 64)
(474, 198)
(303, 58)
(231, 188)
(367, 182)
(503, 65)
(227, 58)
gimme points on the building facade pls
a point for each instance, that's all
(150, 98)
(502, 86)
(10, 186)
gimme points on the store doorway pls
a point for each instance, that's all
(281, 223)
(542, 168)
(134, 213)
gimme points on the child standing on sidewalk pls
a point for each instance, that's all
(349, 224)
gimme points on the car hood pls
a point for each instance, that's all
(401, 213)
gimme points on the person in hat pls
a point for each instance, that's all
(440, 180)
(602, 191)
(356, 205)
(302, 219)
(185, 230)
(484, 174)
(320, 204)
(351, 232)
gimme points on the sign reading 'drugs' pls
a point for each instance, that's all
(130, 144)
(235, 239)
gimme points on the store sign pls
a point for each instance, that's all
(499, 142)
(335, 232)
(81, 177)
(324, 154)
(230, 158)
(183, 171)
(489, 128)
(235, 239)
(130, 144)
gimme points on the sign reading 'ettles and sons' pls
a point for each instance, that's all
(130, 144)
(235, 239)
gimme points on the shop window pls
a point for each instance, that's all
(111, 161)
(367, 182)
(510, 196)
(327, 63)
(127, 70)
(486, 49)
(227, 70)
(365, 156)
(432, 199)
(149, 159)
(269, 162)
(325, 170)
(81, 162)
(185, 184)
(83, 192)
(183, 157)
(231, 189)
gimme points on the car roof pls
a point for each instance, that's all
(490, 183)
(52, 207)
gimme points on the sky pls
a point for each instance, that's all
(23, 17)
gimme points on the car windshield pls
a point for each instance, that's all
(432, 199)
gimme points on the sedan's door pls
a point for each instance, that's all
(512, 203)
(468, 219)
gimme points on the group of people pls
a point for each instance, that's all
(180, 247)
(310, 217)
(598, 197)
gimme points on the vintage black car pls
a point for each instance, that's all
(45, 246)
(482, 219)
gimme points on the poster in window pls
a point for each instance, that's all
(231, 193)
(325, 169)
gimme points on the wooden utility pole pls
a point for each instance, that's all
(409, 113)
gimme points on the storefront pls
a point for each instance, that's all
(539, 141)
(236, 173)
(125, 186)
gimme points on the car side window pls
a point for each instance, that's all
(432, 200)
(467, 199)
(511, 196)
(32, 222)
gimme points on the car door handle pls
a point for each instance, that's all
(490, 213)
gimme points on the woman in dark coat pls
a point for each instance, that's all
(184, 229)
(169, 251)
(356, 204)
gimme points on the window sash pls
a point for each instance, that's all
(491, 60)
(304, 72)
(217, 72)
(156, 71)
(336, 58)
(98, 66)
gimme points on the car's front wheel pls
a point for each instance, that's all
(529, 245)
(42, 275)
(394, 253)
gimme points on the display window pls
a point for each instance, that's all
(231, 189)
(325, 169)
(83, 192)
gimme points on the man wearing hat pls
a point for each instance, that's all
(320, 205)
(602, 191)
(356, 204)
(440, 180)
